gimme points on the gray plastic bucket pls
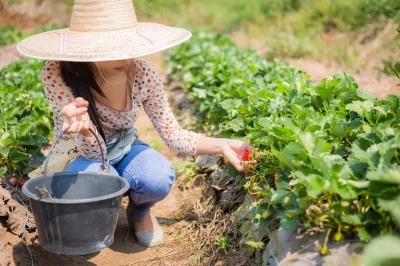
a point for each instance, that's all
(75, 213)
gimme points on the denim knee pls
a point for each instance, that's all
(157, 181)
(149, 174)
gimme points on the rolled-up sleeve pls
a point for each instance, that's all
(155, 104)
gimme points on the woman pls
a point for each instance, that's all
(96, 83)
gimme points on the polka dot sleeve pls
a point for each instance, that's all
(155, 103)
(58, 95)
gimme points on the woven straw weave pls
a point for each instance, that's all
(102, 30)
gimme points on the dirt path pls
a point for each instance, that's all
(375, 82)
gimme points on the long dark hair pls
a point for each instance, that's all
(80, 78)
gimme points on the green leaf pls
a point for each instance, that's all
(337, 129)
(293, 148)
(380, 110)
(282, 185)
(25, 128)
(16, 155)
(367, 95)
(355, 107)
(359, 183)
(369, 157)
(363, 234)
(291, 125)
(254, 244)
(388, 175)
(278, 195)
(346, 191)
(289, 220)
(3, 170)
(3, 151)
(314, 186)
(307, 141)
(237, 125)
(392, 206)
(321, 147)
(284, 158)
(265, 122)
(367, 128)
(360, 107)
(5, 136)
(28, 140)
(263, 214)
(11, 112)
(354, 219)
(297, 109)
(282, 133)
(382, 251)
(393, 100)
(378, 189)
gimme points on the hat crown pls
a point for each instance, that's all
(102, 15)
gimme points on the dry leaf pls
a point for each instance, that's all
(3, 207)
(17, 214)
(4, 256)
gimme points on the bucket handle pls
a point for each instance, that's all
(104, 168)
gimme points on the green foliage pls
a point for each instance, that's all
(186, 170)
(223, 15)
(388, 245)
(26, 118)
(395, 69)
(10, 34)
(224, 242)
(341, 15)
(327, 155)
(383, 251)
(303, 16)
(255, 244)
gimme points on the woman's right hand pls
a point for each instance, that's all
(76, 117)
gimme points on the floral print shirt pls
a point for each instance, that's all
(147, 91)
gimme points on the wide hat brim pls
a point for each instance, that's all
(86, 46)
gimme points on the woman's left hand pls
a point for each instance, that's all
(233, 150)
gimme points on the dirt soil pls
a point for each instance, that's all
(177, 248)
(375, 82)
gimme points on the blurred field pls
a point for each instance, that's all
(360, 35)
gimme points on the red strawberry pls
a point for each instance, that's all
(246, 156)
(21, 183)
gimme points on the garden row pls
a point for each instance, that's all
(327, 154)
(25, 118)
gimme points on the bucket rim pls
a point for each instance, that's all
(34, 196)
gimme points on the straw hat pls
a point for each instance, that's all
(102, 30)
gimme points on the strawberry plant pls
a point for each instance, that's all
(26, 119)
(10, 35)
(328, 153)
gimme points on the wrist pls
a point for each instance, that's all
(224, 144)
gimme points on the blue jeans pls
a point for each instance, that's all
(148, 173)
